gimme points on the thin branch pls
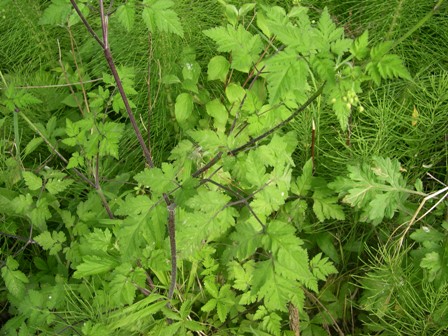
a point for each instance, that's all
(28, 240)
(172, 235)
(252, 142)
(86, 24)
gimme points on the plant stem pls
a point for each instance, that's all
(279, 125)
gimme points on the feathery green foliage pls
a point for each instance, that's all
(264, 175)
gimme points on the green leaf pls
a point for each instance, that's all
(40, 214)
(235, 93)
(111, 133)
(74, 17)
(92, 265)
(75, 161)
(246, 238)
(244, 47)
(391, 66)
(124, 283)
(209, 140)
(303, 182)
(15, 280)
(208, 201)
(218, 67)
(378, 189)
(99, 239)
(55, 186)
(322, 267)
(209, 306)
(325, 242)
(274, 290)
(325, 206)
(51, 241)
(32, 181)
(272, 323)
(378, 51)
(433, 263)
(22, 203)
(286, 74)
(32, 145)
(184, 107)
(339, 47)
(219, 113)
(281, 235)
(427, 234)
(56, 13)
(159, 180)
(241, 274)
(360, 47)
(126, 15)
(327, 31)
(158, 16)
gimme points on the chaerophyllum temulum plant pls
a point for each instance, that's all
(209, 241)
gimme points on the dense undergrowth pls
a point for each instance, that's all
(224, 168)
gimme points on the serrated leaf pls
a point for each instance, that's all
(56, 13)
(339, 47)
(280, 235)
(183, 107)
(246, 238)
(271, 288)
(32, 145)
(99, 239)
(51, 241)
(158, 180)
(209, 140)
(326, 207)
(433, 263)
(75, 161)
(342, 111)
(126, 15)
(378, 51)
(158, 16)
(285, 74)
(122, 285)
(427, 234)
(211, 288)
(244, 46)
(14, 279)
(272, 323)
(242, 274)
(55, 186)
(360, 47)
(40, 214)
(322, 267)
(391, 66)
(303, 182)
(32, 181)
(218, 67)
(209, 306)
(92, 265)
(112, 133)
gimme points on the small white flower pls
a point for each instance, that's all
(49, 297)
(189, 66)
(426, 229)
